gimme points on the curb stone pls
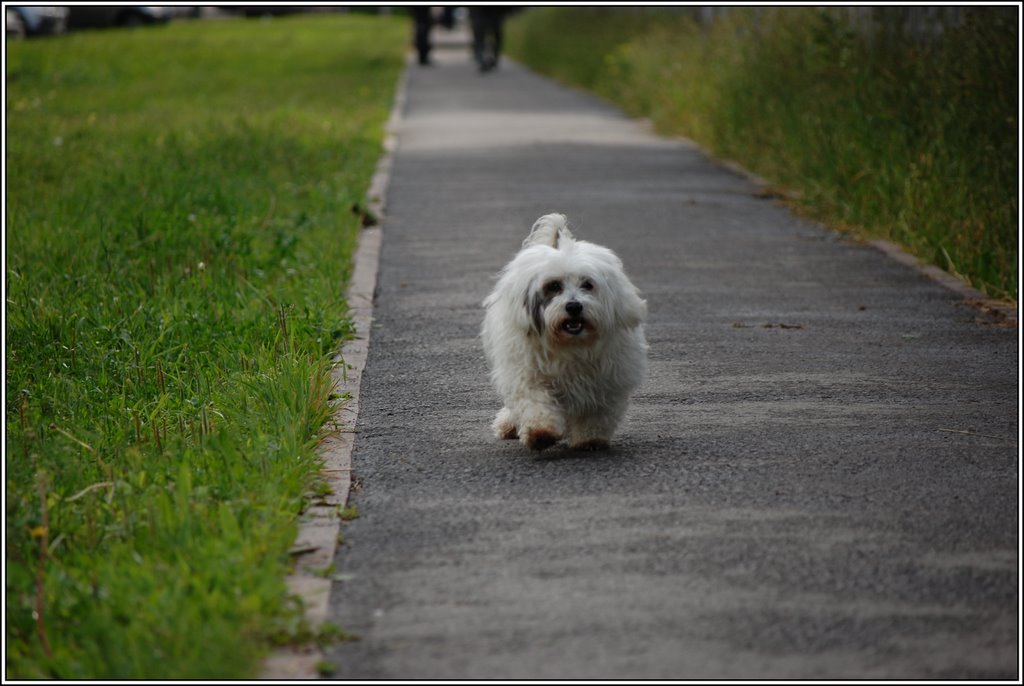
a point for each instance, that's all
(320, 526)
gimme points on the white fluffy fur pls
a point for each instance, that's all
(564, 360)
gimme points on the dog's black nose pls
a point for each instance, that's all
(573, 308)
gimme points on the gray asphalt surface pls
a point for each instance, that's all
(832, 498)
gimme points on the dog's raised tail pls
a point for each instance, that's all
(549, 230)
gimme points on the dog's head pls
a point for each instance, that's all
(569, 292)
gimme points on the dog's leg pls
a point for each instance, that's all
(504, 426)
(593, 432)
(541, 424)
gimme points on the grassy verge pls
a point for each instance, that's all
(179, 229)
(891, 137)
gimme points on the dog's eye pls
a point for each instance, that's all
(587, 285)
(553, 287)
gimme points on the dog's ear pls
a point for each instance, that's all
(630, 308)
(533, 303)
(634, 310)
(517, 301)
(550, 230)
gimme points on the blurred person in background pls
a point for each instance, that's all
(487, 21)
(423, 21)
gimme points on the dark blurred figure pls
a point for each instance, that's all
(423, 19)
(487, 23)
(447, 19)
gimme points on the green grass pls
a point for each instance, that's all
(179, 229)
(895, 138)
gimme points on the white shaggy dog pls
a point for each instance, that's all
(563, 334)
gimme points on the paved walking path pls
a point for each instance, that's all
(818, 479)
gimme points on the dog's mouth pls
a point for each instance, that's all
(573, 327)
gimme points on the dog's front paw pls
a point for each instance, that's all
(504, 427)
(507, 432)
(539, 438)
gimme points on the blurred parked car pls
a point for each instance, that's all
(29, 20)
(102, 16)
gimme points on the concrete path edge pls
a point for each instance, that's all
(315, 545)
